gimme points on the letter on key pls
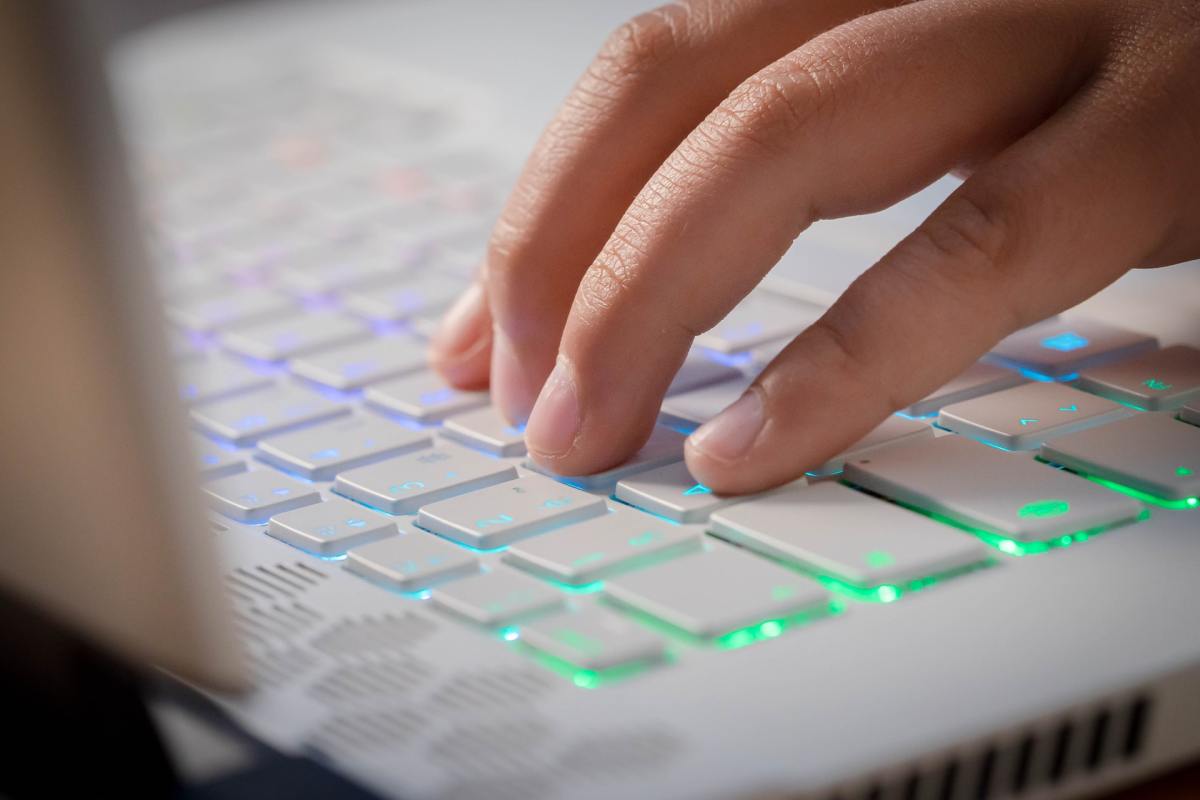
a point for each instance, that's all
(255, 496)
(402, 485)
(330, 528)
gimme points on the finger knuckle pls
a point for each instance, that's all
(640, 46)
(610, 277)
(973, 232)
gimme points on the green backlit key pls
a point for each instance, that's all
(833, 530)
(1153, 453)
(330, 528)
(1160, 380)
(593, 638)
(597, 548)
(718, 592)
(1008, 494)
(498, 597)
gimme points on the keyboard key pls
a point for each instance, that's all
(602, 546)
(671, 492)
(663, 447)
(981, 487)
(698, 406)
(485, 429)
(211, 314)
(1190, 413)
(418, 293)
(216, 462)
(330, 528)
(594, 639)
(411, 562)
(1153, 453)
(502, 514)
(498, 597)
(1061, 347)
(699, 370)
(892, 431)
(1023, 417)
(340, 265)
(256, 496)
(1157, 381)
(298, 334)
(245, 419)
(423, 397)
(402, 485)
(355, 365)
(761, 317)
(718, 592)
(977, 380)
(217, 378)
(323, 451)
(831, 529)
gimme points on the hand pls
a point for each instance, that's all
(708, 134)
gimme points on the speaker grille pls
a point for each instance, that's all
(358, 733)
(620, 753)
(373, 634)
(372, 679)
(495, 688)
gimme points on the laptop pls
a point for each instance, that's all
(227, 461)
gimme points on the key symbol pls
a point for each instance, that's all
(1156, 385)
(356, 523)
(556, 502)
(502, 519)
(1028, 421)
(282, 491)
(1072, 407)
(699, 488)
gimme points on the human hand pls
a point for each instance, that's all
(708, 134)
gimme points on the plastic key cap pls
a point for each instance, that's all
(1190, 413)
(498, 597)
(216, 462)
(411, 562)
(698, 370)
(700, 405)
(423, 397)
(597, 548)
(663, 447)
(245, 419)
(975, 381)
(1061, 347)
(355, 365)
(330, 528)
(402, 485)
(593, 639)
(210, 314)
(501, 514)
(418, 293)
(1025, 416)
(759, 318)
(485, 429)
(298, 334)
(980, 487)
(671, 492)
(1164, 379)
(892, 431)
(832, 529)
(320, 452)
(258, 495)
(715, 593)
(1151, 452)
(217, 378)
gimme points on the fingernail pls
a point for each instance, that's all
(554, 423)
(460, 331)
(729, 435)
(511, 391)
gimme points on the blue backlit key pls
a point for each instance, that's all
(762, 317)
(498, 597)
(594, 639)
(506, 512)
(671, 492)
(215, 378)
(245, 419)
(330, 528)
(485, 429)
(691, 409)
(216, 462)
(603, 546)
(423, 397)
(421, 292)
(320, 452)
(402, 485)
(256, 496)
(1062, 347)
(411, 562)
(699, 370)
(277, 340)
(356, 365)
(1023, 417)
(975, 381)
(663, 447)
(210, 314)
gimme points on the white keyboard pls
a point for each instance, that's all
(307, 232)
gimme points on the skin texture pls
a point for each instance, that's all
(707, 135)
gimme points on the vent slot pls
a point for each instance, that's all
(370, 634)
(496, 688)
(374, 679)
(353, 734)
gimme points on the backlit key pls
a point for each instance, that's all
(718, 592)
(402, 485)
(209, 314)
(603, 546)
(977, 380)
(298, 334)
(671, 492)
(506, 512)
(761, 317)
(498, 597)
(217, 378)
(663, 447)
(1190, 413)
(1025, 416)
(420, 292)
(694, 408)
(485, 429)
(216, 462)
(423, 397)
(699, 370)
(411, 562)
(1005, 493)
(1153, 453)
(594, 639)
(320, 452)
(340, 265)
(330, 528)
(258, 495)
(356, 365)
(245, 419)
(892, 431)
(1061, 347)
(1164, 379)
(831, 529)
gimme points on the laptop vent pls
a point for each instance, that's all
(373, 679)
(507, 746)
(276, 666)
(494, 688)
(1042, 757)
(620, 754)
(346, 735)
(373, 634)
(273, 582)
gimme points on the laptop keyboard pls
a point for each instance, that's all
(308, 227)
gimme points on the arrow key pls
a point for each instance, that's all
(1024, 417)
